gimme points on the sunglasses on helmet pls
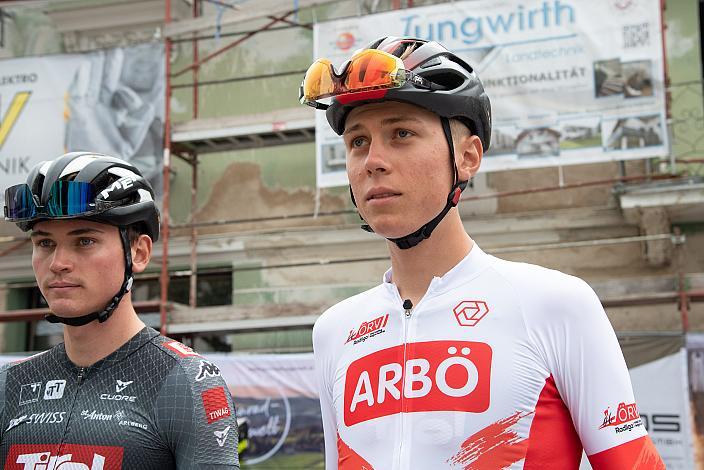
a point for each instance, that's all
(66, 199)
(368, 69)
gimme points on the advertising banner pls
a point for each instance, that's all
(278, 396)
(569, 81)
(109, 101)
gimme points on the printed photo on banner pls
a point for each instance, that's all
(109, 101)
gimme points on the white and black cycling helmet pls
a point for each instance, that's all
(91, 186)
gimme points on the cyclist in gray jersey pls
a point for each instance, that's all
(115, 394)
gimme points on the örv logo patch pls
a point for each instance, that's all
(439, 376)
(470, 312)
(368, 329)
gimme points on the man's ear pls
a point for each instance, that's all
(468, 156)
(141, 253)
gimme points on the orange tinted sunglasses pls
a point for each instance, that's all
(369, 69)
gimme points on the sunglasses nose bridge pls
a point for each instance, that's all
(344, 69)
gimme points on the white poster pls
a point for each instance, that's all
(569, 81)
(110, 101)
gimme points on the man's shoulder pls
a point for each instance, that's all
(29, 362)
(331, 316)
(536, 279)
(190, 364)
(178, 351)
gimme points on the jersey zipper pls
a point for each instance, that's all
(408, 310)
(79, 379)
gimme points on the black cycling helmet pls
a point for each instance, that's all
(451, 89)
(457, 92)
(125, 204)
(118, 195)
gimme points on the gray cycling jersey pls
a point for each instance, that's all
(152, 404)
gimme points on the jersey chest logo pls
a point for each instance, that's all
(435, 376)
(368, 329)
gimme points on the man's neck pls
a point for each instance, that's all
(414, 268)
(87, 344)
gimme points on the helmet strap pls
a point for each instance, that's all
(412, 239)
(104, 314)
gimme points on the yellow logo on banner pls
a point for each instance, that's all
(18, 102)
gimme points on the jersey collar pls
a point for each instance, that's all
(467, 269)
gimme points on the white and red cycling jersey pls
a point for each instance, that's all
(500, 365)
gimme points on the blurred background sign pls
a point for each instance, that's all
(570, 82)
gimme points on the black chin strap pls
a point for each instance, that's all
(412, 239)
(104, 314)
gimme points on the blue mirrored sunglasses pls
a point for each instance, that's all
(66, 199)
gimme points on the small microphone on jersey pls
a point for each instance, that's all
(407, 304)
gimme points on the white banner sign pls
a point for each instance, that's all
(570, 81)
(110, 101)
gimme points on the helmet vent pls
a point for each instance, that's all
(447, 79)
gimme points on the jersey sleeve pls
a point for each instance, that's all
(196, 416)
(572, 331)
(324, 373)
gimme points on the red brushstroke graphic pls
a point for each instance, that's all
(493, 448)
(348, 459)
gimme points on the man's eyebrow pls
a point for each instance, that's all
(84, 231)
(78, 231)
(38, 233)
(398, 119)
(351, 129)
(386, 122)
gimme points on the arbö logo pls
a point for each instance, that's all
(436, 376)
(626, 418)
(368, 329)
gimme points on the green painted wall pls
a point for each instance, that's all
(685, 74)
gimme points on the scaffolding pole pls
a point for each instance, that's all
(165, 220)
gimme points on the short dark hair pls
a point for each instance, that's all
(134, 231)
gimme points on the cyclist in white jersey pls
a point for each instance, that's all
(458, 359)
